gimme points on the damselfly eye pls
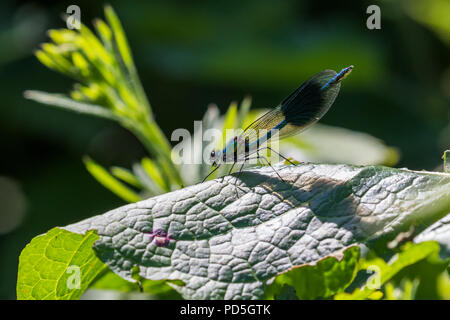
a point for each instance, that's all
(213, 154)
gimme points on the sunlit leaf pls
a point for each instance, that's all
(321, 279)
(446, 158)
(109, 182)
(127, 176)
(60, 101)
(411, 254)
(57, 265)
(152, 170)
(226, 242)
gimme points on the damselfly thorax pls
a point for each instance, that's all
(240, 148)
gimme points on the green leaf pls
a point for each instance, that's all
(446, 158)
(107, 85)
(108, 181)
(80, 62)
(60, 101)
(120, 38)
(57, 55)
(153, 172)
(226, 242)
(322, 279)
(411, 254)
(230, 121)
(126, 57)
(127, 176)
(46, 60)
(104, 32)
(50, 264)
(62, 36)
(244, 109)
(440, 232)
(148, 184)
(406, 290)
(443, 285)
(159, 289)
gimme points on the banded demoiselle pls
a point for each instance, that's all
(302, 108)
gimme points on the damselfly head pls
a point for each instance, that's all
(215, 157)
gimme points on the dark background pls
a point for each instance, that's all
(189, 54)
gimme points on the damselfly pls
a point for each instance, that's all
(302, 108)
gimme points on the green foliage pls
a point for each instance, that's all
(321, 280)
(156, 289)
(410, 254)
(49, 267)
(446, 158)
(108, 180)
(292, 231)
(406, 290)
(49, 264)
(107, 85)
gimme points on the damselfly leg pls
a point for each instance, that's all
(258, 157)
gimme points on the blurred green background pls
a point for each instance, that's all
(191, 54)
